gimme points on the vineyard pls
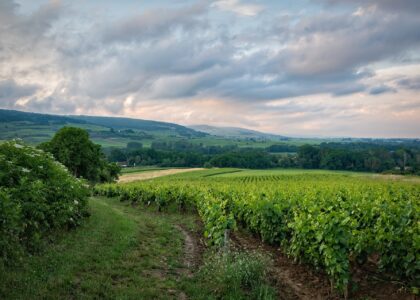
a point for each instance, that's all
(334, 222)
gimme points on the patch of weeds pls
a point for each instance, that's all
(233, 275)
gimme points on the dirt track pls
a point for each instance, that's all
(153, 174)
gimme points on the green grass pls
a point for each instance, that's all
(232, 275)
(119, 253)
(126, 252)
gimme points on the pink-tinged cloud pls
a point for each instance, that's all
(351, 70)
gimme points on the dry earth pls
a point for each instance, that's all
(153, 174)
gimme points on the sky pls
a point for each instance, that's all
(337, 68)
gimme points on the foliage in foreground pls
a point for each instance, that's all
(330, 221)
(37, 196)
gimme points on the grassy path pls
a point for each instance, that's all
(126, 252)
(119, 253)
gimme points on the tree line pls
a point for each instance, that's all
(368, 157)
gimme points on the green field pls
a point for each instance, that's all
(330, 220)
(276, 172)
(169, 238)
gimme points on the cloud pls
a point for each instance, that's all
(411, 83)
(157, 23)
(327, 45)
(162, 60)
(239, 8)
(10, 92)
(410, 6)
(377, 90)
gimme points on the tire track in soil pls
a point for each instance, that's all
(190, 252)
(193, 250)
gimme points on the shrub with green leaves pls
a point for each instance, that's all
(37, 196)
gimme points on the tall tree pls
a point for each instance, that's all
(72, 147)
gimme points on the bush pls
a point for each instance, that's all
(37, 195)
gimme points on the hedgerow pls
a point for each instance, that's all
(37, 196)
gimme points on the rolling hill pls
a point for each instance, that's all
(238, 133)
(35, 128)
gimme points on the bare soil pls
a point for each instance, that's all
(153, 174)
(192, 251)
(396, 177)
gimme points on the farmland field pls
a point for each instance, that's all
(229, 233)
(152, 173)
(336, 222)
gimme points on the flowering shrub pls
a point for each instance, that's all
(37, 195)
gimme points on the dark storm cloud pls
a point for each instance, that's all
(10, 92)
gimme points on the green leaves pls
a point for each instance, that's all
(72, 147)
(329, 221)
(37, 195)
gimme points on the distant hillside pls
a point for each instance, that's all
(238, 133)
(35, 118)
(35, 128)
(145, 125)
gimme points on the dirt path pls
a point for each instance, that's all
(193, 253)
(394, 177)
(190, 251)
(153, 174)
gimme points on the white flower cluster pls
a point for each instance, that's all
(25, 170)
